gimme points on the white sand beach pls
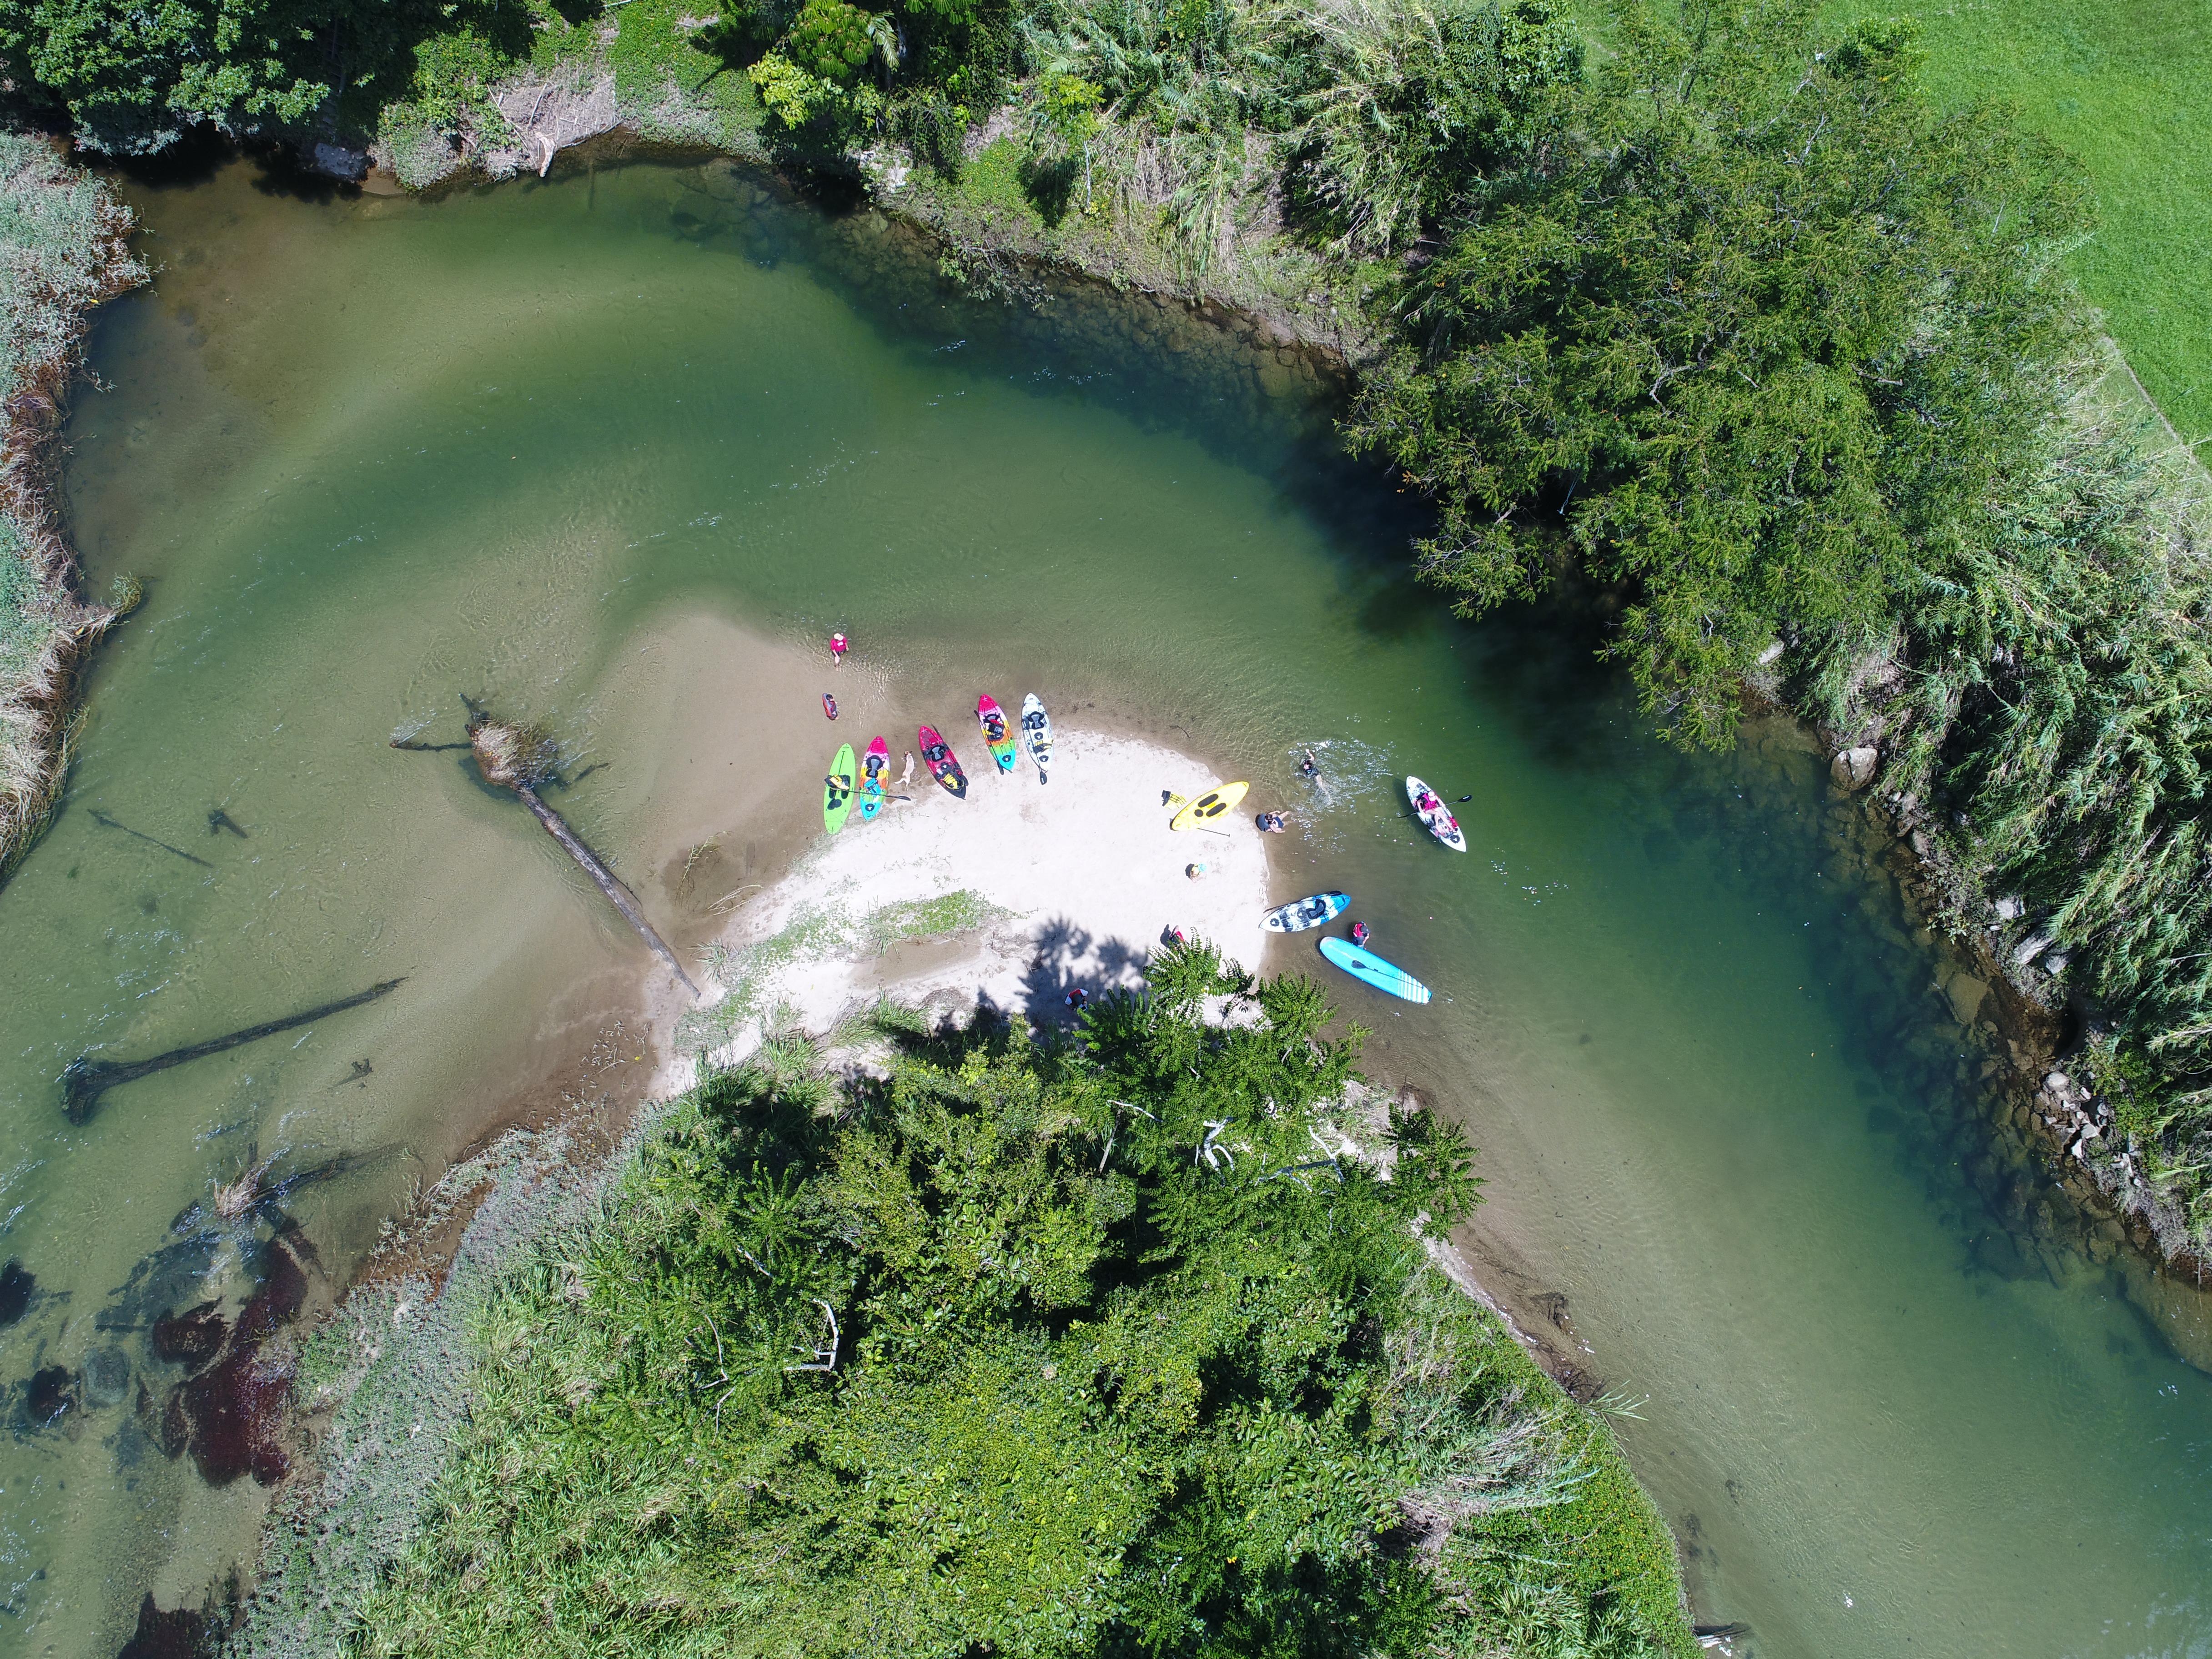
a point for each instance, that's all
(1073, 882)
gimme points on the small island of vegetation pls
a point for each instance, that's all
(929, 1338)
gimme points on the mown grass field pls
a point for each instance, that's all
(2126, 85)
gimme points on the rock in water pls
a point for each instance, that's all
(340, 162)
(1854, 768)
(52, 1392)
(106, 1379)
(16, 1285)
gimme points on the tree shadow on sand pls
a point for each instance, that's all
(1068, 956)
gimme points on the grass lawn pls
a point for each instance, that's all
(2126, 85)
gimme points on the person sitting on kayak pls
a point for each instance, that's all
(1359, 934)
(1429, 803)
(837, 649)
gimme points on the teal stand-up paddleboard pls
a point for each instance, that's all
(1366, 964)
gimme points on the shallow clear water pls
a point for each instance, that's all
(616, 452)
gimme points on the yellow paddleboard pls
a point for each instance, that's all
(1216, 802)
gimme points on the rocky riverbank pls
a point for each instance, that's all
(2048, 1155)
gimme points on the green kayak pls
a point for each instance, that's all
(837, 790)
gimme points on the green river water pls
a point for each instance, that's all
(618, 451)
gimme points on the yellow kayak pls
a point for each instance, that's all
(1215, 802)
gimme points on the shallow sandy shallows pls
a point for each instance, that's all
(1074, 882)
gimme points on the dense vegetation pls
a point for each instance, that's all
(1109, 1347)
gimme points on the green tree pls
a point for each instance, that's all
(1772, 326)
(1064, 123)
(132, 77)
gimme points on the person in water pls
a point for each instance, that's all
(1359, 934)
(837, 649)
(1308, 767)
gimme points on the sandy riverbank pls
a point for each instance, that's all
(1005, 899)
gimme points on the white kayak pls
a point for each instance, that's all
(1437, 817)
(1037, 733)
(1305, 913)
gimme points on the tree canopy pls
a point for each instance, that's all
(133, 77)
(1762, 333)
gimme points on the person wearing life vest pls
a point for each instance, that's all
(1359, 934)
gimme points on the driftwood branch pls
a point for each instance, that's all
(825, 1359)
(617, 893)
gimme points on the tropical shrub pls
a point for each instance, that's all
(835, 41)
(1409, 106)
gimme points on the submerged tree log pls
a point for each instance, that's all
(616, 893)
(518, 758)
(86, 1080)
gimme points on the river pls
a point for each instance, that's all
(616, 452)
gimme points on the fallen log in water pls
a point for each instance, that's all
(518, 758)
(85, 1079)
(616, 893)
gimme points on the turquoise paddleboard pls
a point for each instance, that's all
(1366, 964)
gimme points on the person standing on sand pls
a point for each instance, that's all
(838, 647)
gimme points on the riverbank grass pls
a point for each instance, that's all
(62, 252)
(1125, 1347)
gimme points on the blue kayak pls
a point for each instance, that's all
(1366, 964)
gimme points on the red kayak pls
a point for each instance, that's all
(944, 765)
(830, 705)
